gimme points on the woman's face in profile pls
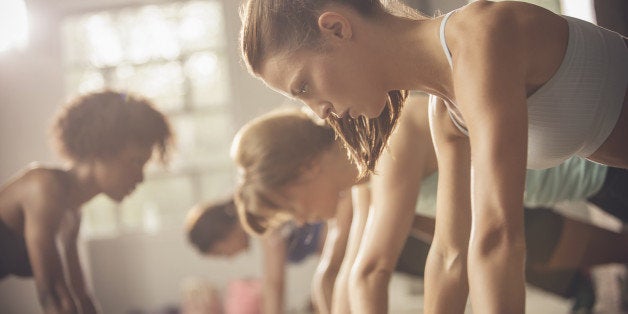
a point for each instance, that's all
(118, 175)
(314, 196)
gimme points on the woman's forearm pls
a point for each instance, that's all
(57, 299)
(323, 288)
(88, 304)
(446, 285)
(496, 273)
(272, 298)
(340, 296)
(368, 292)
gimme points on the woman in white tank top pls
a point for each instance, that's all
(352, 61)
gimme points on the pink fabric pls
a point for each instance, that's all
(200, 297)
(244, 296)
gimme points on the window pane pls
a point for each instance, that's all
(201, 26)
(157, 203)
(141, 34)
(84, 81)
(208, 75)
(92, 40)
(202, 140)
(161, 82)
(150, 34)
(175, 54)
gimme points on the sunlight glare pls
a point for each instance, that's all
(13, 24)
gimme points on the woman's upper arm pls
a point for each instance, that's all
(274, 252)
(360, 203)
(361, 200)
(395, 188)
(336, 239)
(453, 203)
(43, 212)
(494, 107)
(338, 235)
(359, 206)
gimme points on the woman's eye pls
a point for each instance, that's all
(304, 89)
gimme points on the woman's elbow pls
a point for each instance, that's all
(498, 240)
(369, 275)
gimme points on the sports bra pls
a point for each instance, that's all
(576, 110)
(13, 254)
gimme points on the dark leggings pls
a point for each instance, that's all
(613, 196)
(13, 254)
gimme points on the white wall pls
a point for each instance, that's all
(30, 89)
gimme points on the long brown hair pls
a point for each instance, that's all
(283, 26)
(271, 152)
(366, 139)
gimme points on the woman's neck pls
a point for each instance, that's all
(413, 56)
(83, 183)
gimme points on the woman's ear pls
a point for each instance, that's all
(334, 25)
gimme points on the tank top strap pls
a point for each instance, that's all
(442, 37)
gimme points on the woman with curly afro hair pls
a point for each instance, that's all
(107, 138)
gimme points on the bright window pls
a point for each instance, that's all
(174, 54)
(13, 24)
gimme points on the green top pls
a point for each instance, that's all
(575, 179)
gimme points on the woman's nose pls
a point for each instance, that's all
(322, 109)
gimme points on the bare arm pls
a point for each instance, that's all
(43, 213)
(395, 188)
(360, 196)
(274, 250)
(332, 256)
(446, 286)
(69, 238)
(494, 106)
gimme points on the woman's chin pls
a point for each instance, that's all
(376, 111)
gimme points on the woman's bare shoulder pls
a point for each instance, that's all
(502, 35)
(39, 182)
(488, 11)
(490, 18)
(32, 188)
